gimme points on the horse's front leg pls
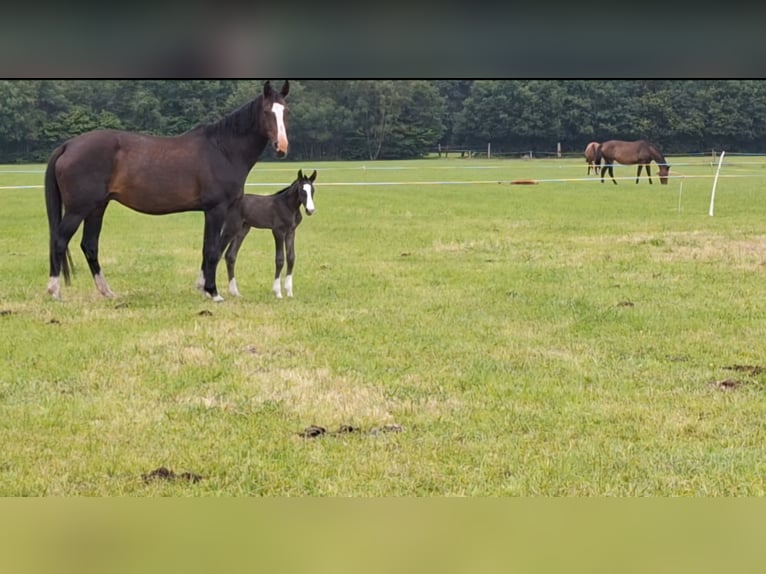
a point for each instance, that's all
(229, 225)
(279, 261)
(211, 249)
(638, 172)
(611, 174)
(290, 245)
(648, 173)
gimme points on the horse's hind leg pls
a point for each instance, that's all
(89, 245)
(279, 262)
(58, 250)
(648, 173)
(231, 258)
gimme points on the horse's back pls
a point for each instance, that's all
(257, 210)
(151, 174)
(626, 152)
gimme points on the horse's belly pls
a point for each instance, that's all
(154, 192)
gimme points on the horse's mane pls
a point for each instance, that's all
(239, 122)
(656, 154)
(288, 188)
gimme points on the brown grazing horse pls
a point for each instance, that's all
(280, 212)
(639, 152)
(590, 157)
(203, 169)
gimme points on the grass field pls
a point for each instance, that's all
(569, 338)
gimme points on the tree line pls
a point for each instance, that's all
(400, 119)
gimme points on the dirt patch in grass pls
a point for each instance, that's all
(749, 369)
(727, 384)
(163, 473)
(315, 431)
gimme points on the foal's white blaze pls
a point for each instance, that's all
(277, 288)
(54, 287)
(279, 113)
(309, 198)
(289, 285)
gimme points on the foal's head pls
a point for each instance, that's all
(275, 116)
(306, 190)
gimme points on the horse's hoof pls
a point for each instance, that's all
(218, 299)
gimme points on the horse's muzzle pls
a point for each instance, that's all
(280, 148)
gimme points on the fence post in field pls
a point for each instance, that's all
(715, 183)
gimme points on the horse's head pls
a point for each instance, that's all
(664, 170)
(274, 117)
(306, 190)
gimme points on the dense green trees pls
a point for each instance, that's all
(386, 119)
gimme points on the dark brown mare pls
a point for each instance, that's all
(203, 169)
(590, 157)
(639, 152)
(279, 212)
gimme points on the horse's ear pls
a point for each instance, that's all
(285, 88)
(267, 89)
(300, 174)
(313, 176)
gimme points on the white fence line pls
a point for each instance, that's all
(458, 182)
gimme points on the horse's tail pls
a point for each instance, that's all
(597, 161)
(54, 209)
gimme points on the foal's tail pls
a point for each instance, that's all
(54, 209)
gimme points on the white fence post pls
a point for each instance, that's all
(715, 183)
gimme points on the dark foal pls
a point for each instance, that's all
(279, 212)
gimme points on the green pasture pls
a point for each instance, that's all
(568, 338)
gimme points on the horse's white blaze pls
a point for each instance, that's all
(233, 287)
(277, 288)
(54, 287)
(309, 198)
(289, 285)
(102, 285)
(279, 113)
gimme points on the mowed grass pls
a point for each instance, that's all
(569, 338)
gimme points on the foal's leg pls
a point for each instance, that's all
(279, 261)
(290, 245)
(66, 229)
(211, 249)
(231, 257)
(89, 245)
